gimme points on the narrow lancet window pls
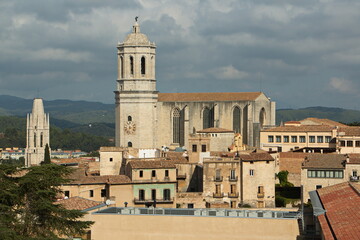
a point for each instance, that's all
(131, 65)
(143, 65)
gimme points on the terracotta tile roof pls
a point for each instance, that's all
(302, 128)
(149, 164)
(324, 161)
(322, 121)
(208, 97)
(215, 130)
(105, 179)
(222, 154)
(78, 203)
(112, 149)
(254, 156)
(176, 157)
(354, 158)
(293, 155)
(325, 228)
(341, 202)
(349, 131)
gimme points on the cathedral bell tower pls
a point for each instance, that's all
(37, 134)
(136, 95)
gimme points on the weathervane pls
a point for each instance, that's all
(136, 18)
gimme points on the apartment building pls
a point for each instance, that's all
(153, 182)
(322, 170)
(247, 178)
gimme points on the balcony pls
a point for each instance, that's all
(233, 179)
(261, 195)
(218, 179)
(354, 178)
(143, 201)
(233, 195)
(218, 195)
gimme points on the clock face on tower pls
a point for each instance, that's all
(130, 127)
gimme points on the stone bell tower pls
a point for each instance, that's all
(37, 134)
(136, 95)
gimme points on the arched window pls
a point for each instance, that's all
(121, 67)
(176, 125)
(129, 144)
(143, 65)
(208, 118)
(245, 124)
(236, 119)
(34, 139)
(131, 65)
(262, 117)
(129, 118)
(41, 139)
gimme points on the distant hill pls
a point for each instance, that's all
(336, 114)
(80, 112)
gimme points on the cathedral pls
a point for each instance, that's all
(146, 118)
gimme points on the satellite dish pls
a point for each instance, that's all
(109, 202)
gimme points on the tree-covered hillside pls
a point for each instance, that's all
(336, 114)
(13, 131)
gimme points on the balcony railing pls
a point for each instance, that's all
(218, 195)
(354, 178)
(261, 195)
(143, 201)
(233, 179)
(233, 195)
(218, 179)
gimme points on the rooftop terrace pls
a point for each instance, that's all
(203, 212)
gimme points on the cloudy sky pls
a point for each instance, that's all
(300, 53)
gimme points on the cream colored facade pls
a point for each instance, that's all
(297, 136)
(326, 170)
(222, 181)
(89, 191)
(259, 183)
(139, 227)
(111, 160)
(247, 179)
(148, 119)
(37, 134)
(348, 140)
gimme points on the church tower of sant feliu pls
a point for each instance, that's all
(37, 134)
(136, 95)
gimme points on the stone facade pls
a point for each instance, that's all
(148, 119)
(37, 134)
(245, 179)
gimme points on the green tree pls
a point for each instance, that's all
(47, 155)
(28, 204)
(283, 179)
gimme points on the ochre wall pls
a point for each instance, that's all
(140, 227)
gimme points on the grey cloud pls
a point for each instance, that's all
(289, 50)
